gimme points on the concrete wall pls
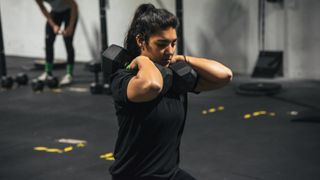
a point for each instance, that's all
(303, 38)
(226, 30)
(222, 30)
(24, 27)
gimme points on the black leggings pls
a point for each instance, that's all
(58, 18)
(179, 175)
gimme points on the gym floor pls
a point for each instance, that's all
(70, 134)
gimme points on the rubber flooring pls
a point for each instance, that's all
(70, 134)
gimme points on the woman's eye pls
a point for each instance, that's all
(162, 45)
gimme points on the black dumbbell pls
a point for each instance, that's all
(52, 82)
(38, 85)
(167, 76)
(95, 87)
(22, 79)
(180, 75)
(7, 81)
(184, 77)
(116, 57)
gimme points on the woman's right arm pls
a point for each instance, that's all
(46, 13)
(148, 82)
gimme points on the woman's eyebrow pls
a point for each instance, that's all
(166, 40)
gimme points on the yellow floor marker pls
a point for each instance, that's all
(56, 90)
(40, 148)
(81, 145)
(247, 116)
(67, 149)
(220, 108)
(212, 110)
(108, 156)
(256, 114)
(54, 150)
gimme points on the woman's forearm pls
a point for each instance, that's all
(74, 12)
(212, 74)
(45, 12)
(148, 82)
(210, 70)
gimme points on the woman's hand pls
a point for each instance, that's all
(68, 31)
(176, 58)
(56, 29)
(137, 61)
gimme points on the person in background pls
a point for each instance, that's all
(62, 11)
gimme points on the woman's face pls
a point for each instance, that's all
(161, 46)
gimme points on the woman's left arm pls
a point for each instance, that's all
(212, 74)
(74, 13)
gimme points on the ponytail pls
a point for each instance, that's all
(146, 21)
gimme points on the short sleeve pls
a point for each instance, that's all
(119, 83)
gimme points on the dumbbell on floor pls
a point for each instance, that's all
(38, 85)
(95, 87)
(7, 81)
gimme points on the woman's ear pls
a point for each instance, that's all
(140, 41)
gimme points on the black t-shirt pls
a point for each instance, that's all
(149, 133)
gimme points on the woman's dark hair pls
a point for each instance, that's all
(147, 21)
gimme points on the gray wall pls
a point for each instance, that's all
(303, 38)
(226, 30)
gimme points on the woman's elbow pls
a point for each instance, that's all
(228, 75)
(152, 88)
(155, 87)
(225, 77)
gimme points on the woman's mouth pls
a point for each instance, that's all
(164, 61)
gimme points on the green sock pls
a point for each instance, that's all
(70, 69)
(48, 68)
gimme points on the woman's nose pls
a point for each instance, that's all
(170, 49)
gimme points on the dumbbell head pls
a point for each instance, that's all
(22, 79)
(115, 57)
(96, 88)
(184, 77)
(37, 85)
(7, 82)
(107, 89)
(52, 82)
(167, 76)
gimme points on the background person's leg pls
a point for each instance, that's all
(50, 37)
(68, 40)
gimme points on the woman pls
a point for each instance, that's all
(150, 122)
(62, 11)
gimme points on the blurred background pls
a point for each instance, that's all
(225, 30)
